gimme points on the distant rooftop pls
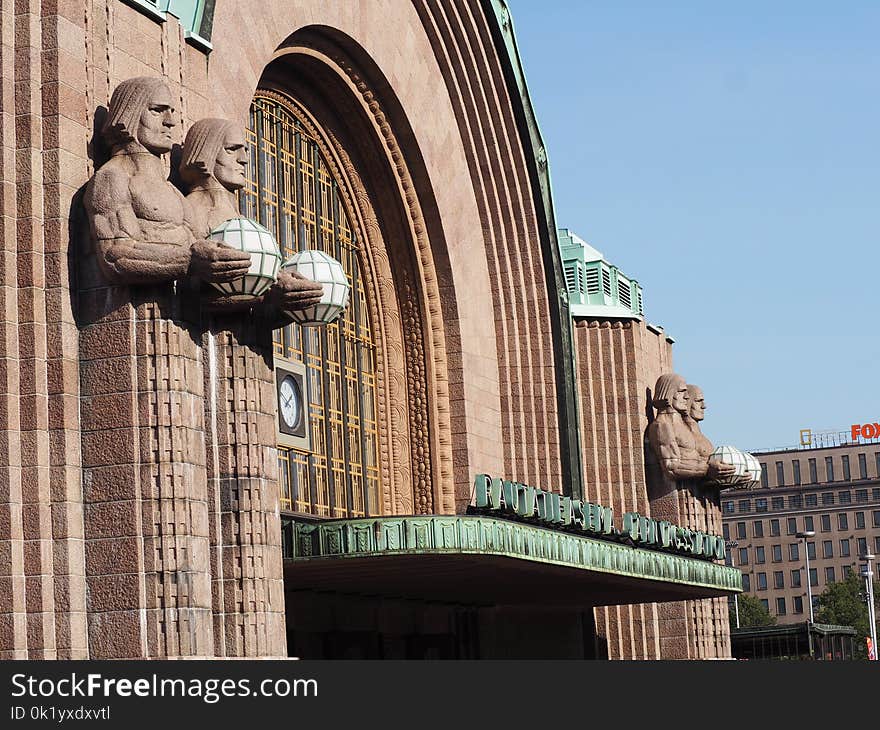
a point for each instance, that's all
(595, 287)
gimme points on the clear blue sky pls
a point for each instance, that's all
(727, 155)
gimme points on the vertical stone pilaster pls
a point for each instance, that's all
(247, 586)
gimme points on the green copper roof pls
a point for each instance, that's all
(595, 287)
(471, 552)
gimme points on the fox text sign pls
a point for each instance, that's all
(865, 431)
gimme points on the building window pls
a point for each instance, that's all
(780, 474)
(747, 582)
(796, 578)
(777, 553)
(863, 467)
(728, 507)
(814, 577)
(827, 497)
(861, 495)
(829, 574)
(792, 526)
(796, 469)
(811, 550)
(759, 554)
(745, 505)
(778, 579)
(762, 581)
(758, 528)
(760, 505)
(875, 517)
(827, 550)
(842, 521)
(877, 464)
(293, 193)
(798, 603)
(765, 602)
(847, 569)
(860, 520)
(844, 497)
(743, 556)
(808, 523)
(825, 521)
(794, 551)
(725, 530)
(811, 500)
(795, 501)
(877, 545)
(863, 546)
(740, 530)
(813, 475)
(774, 528)
(875, 493)
(844, 548)
(764, 478)
(829, 469)
(847, 476)
(777, 503)
(780, 607)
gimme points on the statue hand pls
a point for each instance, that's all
(293, 291)
(718, 470)
(218, 263)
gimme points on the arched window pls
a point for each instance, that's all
(292, 192)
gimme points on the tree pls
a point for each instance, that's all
(751, 613)
(845, 603)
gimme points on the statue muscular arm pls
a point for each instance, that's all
(123, 255)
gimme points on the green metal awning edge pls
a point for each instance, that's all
(325, 540)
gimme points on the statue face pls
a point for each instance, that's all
(157, 122)
(681, 399)
(698, 404)
(231, 161)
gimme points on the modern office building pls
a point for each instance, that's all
(187, 474)
(833, 491)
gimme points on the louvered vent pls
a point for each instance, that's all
(592, 281)
(624, 293)
(639, 294)
(606, 282)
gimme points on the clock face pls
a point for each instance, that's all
(289, 405)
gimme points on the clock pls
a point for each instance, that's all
(293, 408)
(290, 403)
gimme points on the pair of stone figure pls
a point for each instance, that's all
(675, 437)
(145, 230)
(202, 498)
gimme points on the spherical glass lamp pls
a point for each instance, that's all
(250, 237)
(327, 271)
(745, 476)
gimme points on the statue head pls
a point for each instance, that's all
(141, 111)
(214, 148)
(671, 392)
(698, 402)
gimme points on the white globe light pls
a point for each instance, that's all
(246, 235)
(327, 271)
(748, 470)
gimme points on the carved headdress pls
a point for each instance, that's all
(203, 143)
(665, 388)
(127, 104)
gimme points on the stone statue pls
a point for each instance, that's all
(143, 228)
(242, 417)
(696, 414)
(212, 168)
(678, 451)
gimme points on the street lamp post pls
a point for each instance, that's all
(868, 575)
(731, 544)
(803, 536)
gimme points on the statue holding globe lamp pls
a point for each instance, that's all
(213, 170)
